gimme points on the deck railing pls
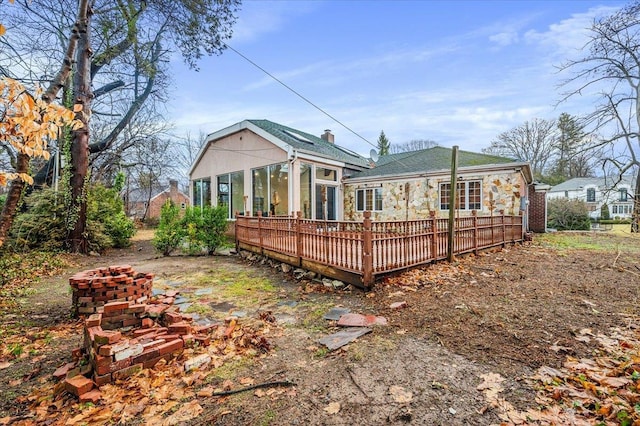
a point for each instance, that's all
(357, 252)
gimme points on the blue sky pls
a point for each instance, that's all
(457, 72)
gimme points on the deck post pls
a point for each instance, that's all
(298, 237)
(235, 233)
(260, 230)
(474, 213)
(453, 201)
(367, 248)
(434, 235)
(504, 230)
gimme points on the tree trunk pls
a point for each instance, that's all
(635, 215)
(77, 239)
(13, 197)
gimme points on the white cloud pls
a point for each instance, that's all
(505, 38)
(568, 36)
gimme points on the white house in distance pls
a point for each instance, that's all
(597, 191)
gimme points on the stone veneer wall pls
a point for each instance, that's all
(500, 192)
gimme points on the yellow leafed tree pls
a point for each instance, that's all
(27, 123)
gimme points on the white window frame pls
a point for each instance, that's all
(369, 198)
(462, 186)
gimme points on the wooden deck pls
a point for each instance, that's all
(359, 252)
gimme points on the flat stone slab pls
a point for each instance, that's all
(285, 319)
(203, 291)
(335, 313)
(183, 306)
(157, 292)
(358, 320)
(343, 337)
(289, 303)
(178, 300)
(239, 314)
(222, 306)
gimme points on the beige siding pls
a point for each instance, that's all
(241, 151)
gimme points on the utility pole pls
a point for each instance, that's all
(453, 198)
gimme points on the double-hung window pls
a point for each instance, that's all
(469, 194)
(369, 199)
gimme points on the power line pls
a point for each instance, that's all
(291, 89)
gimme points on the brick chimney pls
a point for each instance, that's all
(328, 136)
(173, 189)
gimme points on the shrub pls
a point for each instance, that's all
(170, 231)
(214, 225)
(564, 214)
(201, 228)
(604, 212)
(105, 214)
(43, 224)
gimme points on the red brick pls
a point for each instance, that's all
(136, 309)
(107, 337)
(170, 337)
(76, 353)
(108, 350)
(78, 385)
(115, 306)
(147, 323)
(102, 361)
(92, 396)
(95, 284)
(126, 372)
(114, 366)
(61, 372)
(143, 331)
(93, 320)
(171, 346)
(168, 300)
(203, 340)
(131, 322)
(153, 361)
(188, 340)
(146, 355)
(171, 317)
(180, 328)
(101, 380)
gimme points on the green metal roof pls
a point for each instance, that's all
(428, 160)
(307, 142)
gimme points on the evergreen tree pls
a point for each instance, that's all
(383, 144)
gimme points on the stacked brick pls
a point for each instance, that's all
(125, 329)
(94, 288)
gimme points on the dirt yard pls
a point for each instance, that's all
(468, 348)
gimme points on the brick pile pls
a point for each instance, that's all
(94, 288)
(124, 336)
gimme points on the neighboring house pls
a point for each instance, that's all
(145, 203)
(258, 165)
(596, 191)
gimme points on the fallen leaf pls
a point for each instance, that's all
(4, 365)
(332, 408)
(247, 381)
(400, 395)
(259, 393)
(188, 411)
(15, 382)
(205, 392)
(615, 382)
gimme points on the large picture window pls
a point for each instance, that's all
(270, 190)
(469, 195)
(369, 199)
(231, 192)
(202, 192)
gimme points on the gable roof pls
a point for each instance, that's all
(430, 160)
(602, 183)
(288, 139)
(303, 141)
